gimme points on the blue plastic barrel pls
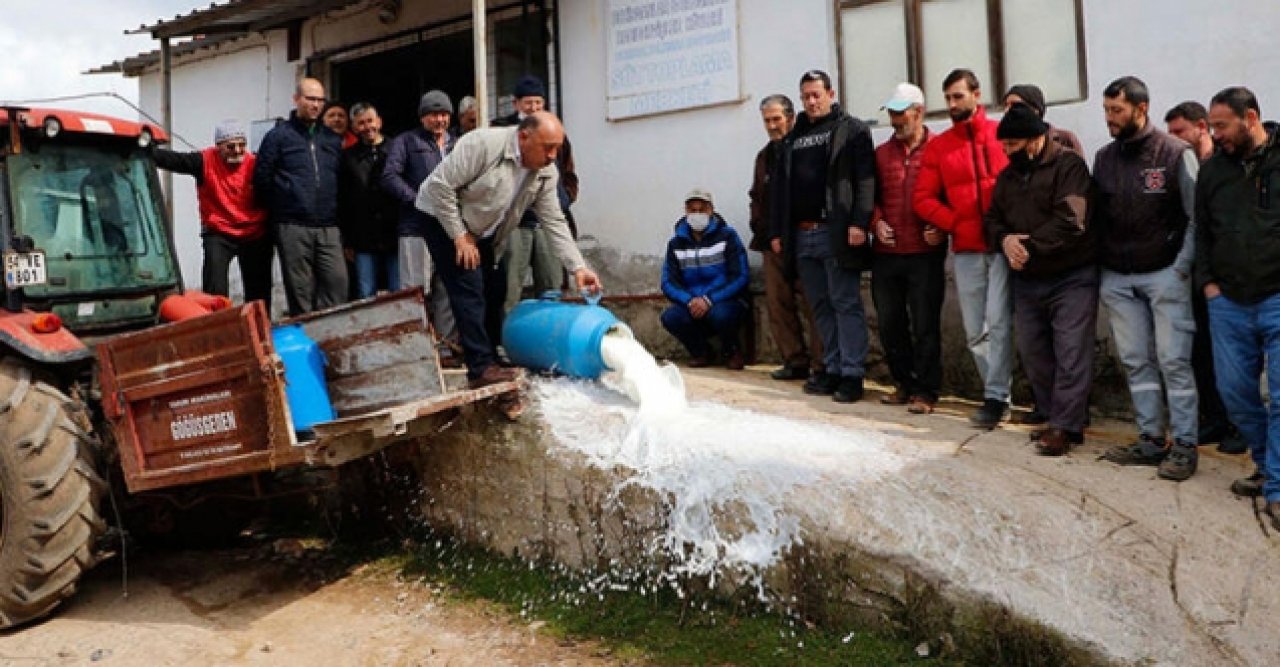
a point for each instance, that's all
(305, 387)
(549, 335)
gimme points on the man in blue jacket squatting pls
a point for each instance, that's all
(705, 276)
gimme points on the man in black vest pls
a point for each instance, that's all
(1145, 216)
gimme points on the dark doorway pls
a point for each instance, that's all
(394, 80)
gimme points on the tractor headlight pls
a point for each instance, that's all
(144, 138)
(52, 126)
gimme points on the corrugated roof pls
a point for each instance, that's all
(239, 17)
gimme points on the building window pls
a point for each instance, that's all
(1004, 42)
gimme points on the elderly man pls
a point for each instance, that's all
(467, 120)
(907, 275)
(367, 215)
(477, 196)
(232, 226)
(1039, 218)
(411, 158)
(296, 179)
(528, 250)
(705, 277)
(784, 296)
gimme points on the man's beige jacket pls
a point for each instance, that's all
(471, 191)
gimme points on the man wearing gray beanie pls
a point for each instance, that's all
(411, 158)
(232, 225)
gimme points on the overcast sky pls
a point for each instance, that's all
(44, 47)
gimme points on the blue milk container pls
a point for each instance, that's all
(305, 387)
(549, 335)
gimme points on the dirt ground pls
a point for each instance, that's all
(268, 606)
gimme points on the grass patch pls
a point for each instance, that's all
(637, 621)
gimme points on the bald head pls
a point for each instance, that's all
(540, 136)
(308, 99)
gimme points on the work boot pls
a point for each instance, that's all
(1147, 451)
(1032, 418)
(848, 391)
(493, 374)
(822, 384)
(1073, 437)
(791, 373)
(1054, 442)
(1233, 442)
(989, 415)
(734, 362)
(1249, 487)
(1180, 463)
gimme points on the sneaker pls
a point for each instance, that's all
(1054, 442)
(1180, 463)
(898, 397)
(790, 373)
(1233, 442)
(848, 391)
(699, 362)
(921, 405)
(734, 362)
(1147, 451)
(1249, 487)
(821, 384)
(989, 415)
(1032, 418)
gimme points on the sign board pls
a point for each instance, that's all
(667, 55)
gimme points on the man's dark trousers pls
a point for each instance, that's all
(907, 291)
(722, 321)
(255, 265)
(1055, 319)
(474, 294)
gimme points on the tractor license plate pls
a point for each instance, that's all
(22, 269)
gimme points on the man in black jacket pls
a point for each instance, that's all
(1238, 269)
(296, 180)
(823, 195)
(367, 214)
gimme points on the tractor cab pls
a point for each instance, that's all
(82, 218)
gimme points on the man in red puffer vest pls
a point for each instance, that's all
(957, 176)
(232, 226)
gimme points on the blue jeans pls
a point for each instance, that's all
(835, 294)
(986, 307)
(721, 321)
(369, 265)
(1244, 337)
(1153, 328)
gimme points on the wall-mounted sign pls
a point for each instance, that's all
(666, 55)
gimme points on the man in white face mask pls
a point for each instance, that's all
(705, 277)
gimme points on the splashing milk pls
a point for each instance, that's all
(726, 472)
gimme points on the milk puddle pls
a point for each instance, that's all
(726, 473)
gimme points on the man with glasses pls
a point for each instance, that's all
(232, 226)
(296, 179)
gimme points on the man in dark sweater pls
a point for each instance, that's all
(1145, 185)
(1039, 219)
(1238, 270)
(823, 194)
(367, 214)
(296, 179)
(232, 225)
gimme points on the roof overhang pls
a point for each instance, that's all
(138, 64)
(240, 17)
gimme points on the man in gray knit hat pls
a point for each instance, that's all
(411, 158)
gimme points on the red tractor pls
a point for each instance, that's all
(96, 393)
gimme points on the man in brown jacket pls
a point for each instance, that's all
(1038, 218)
(784, 297)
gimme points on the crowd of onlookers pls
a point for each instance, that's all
(1172, 231)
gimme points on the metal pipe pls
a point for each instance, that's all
(166, 116)
(480, 42)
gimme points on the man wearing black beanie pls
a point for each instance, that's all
(1039, 219)
(1031, 95)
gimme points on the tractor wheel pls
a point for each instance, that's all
(49, 496)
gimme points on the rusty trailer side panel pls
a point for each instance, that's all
(197, 400)
(380, 352)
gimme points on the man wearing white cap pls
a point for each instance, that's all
(232, 225)
(705, 277)
(907, 275)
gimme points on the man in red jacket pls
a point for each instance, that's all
(232, 225)
(957, 175)
(907, 275)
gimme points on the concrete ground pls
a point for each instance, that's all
(1147, 570)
